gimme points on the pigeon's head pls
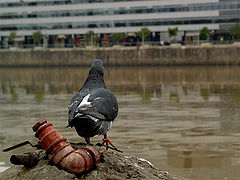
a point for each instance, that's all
(97, 64)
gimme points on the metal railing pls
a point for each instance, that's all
(115, 44)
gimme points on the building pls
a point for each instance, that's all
(67, 20)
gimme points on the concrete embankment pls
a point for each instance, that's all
(183, 55)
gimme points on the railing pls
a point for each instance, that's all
(116, 44)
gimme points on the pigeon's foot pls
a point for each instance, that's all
(106, 140)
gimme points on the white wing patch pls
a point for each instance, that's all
(85, 101)
(93, 118)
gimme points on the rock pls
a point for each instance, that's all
(113, 165)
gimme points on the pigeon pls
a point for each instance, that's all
(94, 107)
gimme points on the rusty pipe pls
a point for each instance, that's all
(61, 153)
(28, 159)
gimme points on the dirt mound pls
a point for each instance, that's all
(113, 165)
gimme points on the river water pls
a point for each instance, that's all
(185, 120)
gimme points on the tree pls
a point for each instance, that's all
(117, 36)
(90, 36)
(11, 37)
(204, 33)
(172, 32)
(37, 36)
(144, 34)
(235, 31)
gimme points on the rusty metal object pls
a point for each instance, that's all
(19, 145)
(28, 159)
(62, 154)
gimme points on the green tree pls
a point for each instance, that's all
(172, 32)
(144, 33)
(11, 37)
(90, 36)
(37, 36)
(14, 94)
(117, 36)
(204, 33)
(235, 31)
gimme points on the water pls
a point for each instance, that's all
(184, 120)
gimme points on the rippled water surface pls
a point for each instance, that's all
(184, 120)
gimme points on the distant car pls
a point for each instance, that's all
(166, 43)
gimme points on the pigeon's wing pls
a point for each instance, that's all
(86, 107)
(76, 100)
(100, 103)
(105, 103)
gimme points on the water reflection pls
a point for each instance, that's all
(198, 158)
(14, 94)
(183, 119)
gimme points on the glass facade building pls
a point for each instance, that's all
(76, 17)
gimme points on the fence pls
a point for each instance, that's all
(113, 44)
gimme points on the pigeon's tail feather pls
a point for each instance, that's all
(103, 127)
(89, 126)
(100, 127)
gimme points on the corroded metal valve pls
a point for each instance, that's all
(62, 153)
